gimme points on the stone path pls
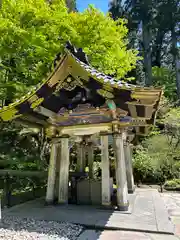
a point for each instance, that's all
(172, 201)
(123, 235)
(148, 214)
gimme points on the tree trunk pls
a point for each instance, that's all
(176, 62)
(147, 53)
(177, 69)
(157, 48)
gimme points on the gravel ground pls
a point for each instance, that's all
(15, 228)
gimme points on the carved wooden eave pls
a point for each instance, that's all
(74, 82)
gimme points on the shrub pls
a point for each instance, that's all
(142, 166)
(174, 183)
(155, 161)
(176, 169)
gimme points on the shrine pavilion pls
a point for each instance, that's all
(78, 101)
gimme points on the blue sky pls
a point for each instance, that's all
(101, 4)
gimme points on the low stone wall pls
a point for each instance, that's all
(15, 199)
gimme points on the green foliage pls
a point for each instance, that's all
(142, 165)
(164, 108)
(20, 152)
(159, 32)
(105, 41)
(164, 77)
(34, 31)
(155, 131)
(175, 183)
(172, 117)
(171, 122)
(30, 33)
(156, 160)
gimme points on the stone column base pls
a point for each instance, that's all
(131, 191)
(123, 207)
(62, 203)
(106, 207)
(48, 203)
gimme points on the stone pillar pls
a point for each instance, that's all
(81, 157)
(129, 169)
(121, 180)
(64, 171)
(106, 194)
(57, 170)
(50, 192)
(90, 159)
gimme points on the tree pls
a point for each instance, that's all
(34, 31)
(174, 27)
(117, 10)
(167, 28)
(71, 5)
(105, 42)
(158, 24)
(139, 15)
(30, 33)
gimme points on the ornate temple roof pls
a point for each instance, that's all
(76, 93)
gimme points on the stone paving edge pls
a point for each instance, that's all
(100, 228)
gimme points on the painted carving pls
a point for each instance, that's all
(10, 114)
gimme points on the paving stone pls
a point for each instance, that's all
(146, 216)
(174, 212)
(122, 235)
(161, 237)
(175, 220)
(172, 201)
(162, 217)
(115, 235)
(177, 231)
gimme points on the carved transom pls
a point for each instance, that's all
(69, 84)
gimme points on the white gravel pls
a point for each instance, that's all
(15, 228)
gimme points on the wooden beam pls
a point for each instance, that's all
(34, 119)
(86, 129)
(26, 123)
(20, 173)
(38, 174)
(45, 112)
